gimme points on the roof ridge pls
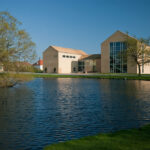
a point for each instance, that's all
(65, 48)
(69, 50)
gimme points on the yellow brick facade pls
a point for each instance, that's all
(105, 53)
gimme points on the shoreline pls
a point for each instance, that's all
(94, 76)
(28, 76)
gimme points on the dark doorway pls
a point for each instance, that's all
(54, 70)
(45, 70)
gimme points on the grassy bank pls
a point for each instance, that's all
(94, 76)
(100, 76)
(133, 139)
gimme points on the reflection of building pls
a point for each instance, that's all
(112, 58)
(67, 60)
(39, 64)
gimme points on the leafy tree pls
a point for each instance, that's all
(16, 47)
(138, 50)
(15, 43)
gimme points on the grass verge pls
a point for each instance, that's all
(25, 76)
(133, 139)
(107, 76)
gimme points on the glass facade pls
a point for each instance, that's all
(118, 61)
(80, 65)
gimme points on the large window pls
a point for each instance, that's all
(80, 65)
(118, 60)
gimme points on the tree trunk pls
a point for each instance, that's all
(139, 67)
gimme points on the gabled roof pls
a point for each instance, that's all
(92, 56)
(126, 34)
(119, 32)
(68, 50)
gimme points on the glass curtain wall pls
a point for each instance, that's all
(118, 61)
(81, 66)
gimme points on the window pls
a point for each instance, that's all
(66, 56)
(118, 62)
(80, 65)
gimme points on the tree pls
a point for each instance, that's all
(15, 43)
(138, 50)
(16, 47)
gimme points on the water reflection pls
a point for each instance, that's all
(45, 111)
(125, 103)
(13, 115)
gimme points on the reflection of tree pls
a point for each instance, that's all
(3, 96)
(125, 103)
(11, 98)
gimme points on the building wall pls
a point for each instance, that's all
(105, 65)
(50, 60)
(68, 64)
(98, 65)
(88, 64)
(92, 65)
(41, 67)
(146, 69)
(147, 65)
(105, 54)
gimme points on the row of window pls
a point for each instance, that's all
(66, 56)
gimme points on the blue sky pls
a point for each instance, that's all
(79, 24)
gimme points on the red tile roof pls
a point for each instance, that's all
(38, 63)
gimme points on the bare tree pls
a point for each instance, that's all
(139, 51)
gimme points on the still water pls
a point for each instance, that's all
(46, 111)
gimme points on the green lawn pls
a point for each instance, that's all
(133, 139)
(25, 76)
(123, 76)
(96, 76)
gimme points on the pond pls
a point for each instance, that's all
(46, 111)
